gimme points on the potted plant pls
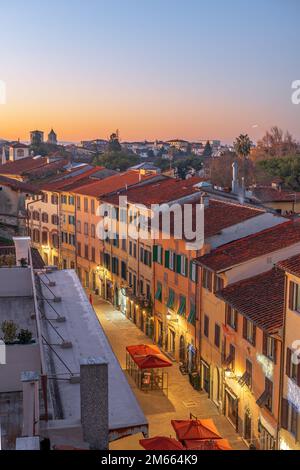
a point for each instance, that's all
(9, 329)
(25, 336)
(23, 262)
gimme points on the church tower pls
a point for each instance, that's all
(52, 138)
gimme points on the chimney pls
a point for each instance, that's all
(235, 183)
(22, 245)
(94, 402)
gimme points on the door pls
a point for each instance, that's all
(232, 409)
(216, 386)
(247, 426)
(206, 378)
(182, 350)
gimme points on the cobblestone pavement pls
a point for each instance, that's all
(159, 408)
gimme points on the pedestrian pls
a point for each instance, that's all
(91, 299)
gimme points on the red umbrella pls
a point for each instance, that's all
(151, 361)
(143, 349)
(161, 443)
(198, 429)
(216, 444)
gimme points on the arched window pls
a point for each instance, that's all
(36, 236)
(45, 217)
(55, 241)
(44, 237)
(54, 219)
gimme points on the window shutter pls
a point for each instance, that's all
(178, 264)
(167, 258)
(254, 335)
(291, 295)
(275, 351)
(186, 266)
(244, 327)
(284, 413)
(264, 350)
(288, 362)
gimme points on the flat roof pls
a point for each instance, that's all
(84, 330)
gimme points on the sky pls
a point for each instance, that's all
(154, 69)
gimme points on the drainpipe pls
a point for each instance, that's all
(282, 368)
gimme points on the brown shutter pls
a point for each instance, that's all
(275, 351)
(254, 335)
(227, 314)
(288, 362)
(244, 327)
(291, 295)
(284, 413)
(264, 348)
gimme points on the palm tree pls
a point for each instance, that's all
(242, 145)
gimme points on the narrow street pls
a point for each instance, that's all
(159, 409)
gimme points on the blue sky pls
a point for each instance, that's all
(152, 68)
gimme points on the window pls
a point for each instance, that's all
(249, 373)
(63, 199)
(269, 392)
(78, 226)
(86, 251)
(93, 255)
(72, 239)
(217, 335)
(158, 293)
(294, 297)
(292, 368)
(106, 260)
(141, 287)
(93, 231)
(148, 291)
(158, 254)
(71, 220)
(86, 228)
(54, 199)
(182, 306)
(123, 270)
(269, 347)
(36, 236)
(79, 248)
(86, 204)
(207, 279)
(124, 244)
(54, 219)
(115, 265)
(45, 198)
(219, 283)
(171, 299)
(130, 248)
(36, 215)
(193, 271)
(71, 200)
(289, 418)
(249, 331)
(55, 240)
(45, 217)
(170, 260)
(45, 238)
(93, 206)
(231, 317)
(206, 326)
(181, 265)
(134, 250)
(78, 203)
(232, 356)
(115, 240)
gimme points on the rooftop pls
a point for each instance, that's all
(269, 194)
(259, 298)
(291, 265)
(112, 183)
(71, 180)
(19, 167)
(252, 246)
(158, 192)
(18, 185)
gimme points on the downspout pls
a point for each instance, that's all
(282, 369)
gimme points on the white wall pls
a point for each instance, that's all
(19, 358)
(15, 282)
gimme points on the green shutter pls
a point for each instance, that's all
(158, 293)
(182, 305)
(192, 315)
(155, 254)
(170, 303)
(161, 256)
(186, 266)
(167, 259)
(178, 264)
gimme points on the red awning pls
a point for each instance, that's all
(143, 349)
(161, 443)
(215, 444)
(151, 361)
(198, 429)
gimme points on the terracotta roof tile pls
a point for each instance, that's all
(291, 265)
(111, 184)
(253, 246)
(159, 192)
(259, 298)
(269, 194)
(21, 166)
(18, 185)
(67, 182)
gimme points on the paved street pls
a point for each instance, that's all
(159, 409)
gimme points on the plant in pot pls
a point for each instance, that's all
(23, 262)
(25, 336)
(9, 329)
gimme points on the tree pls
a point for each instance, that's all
(275, 144)
(116, 160)
(286, 168)
(207, 152)
(114, 144)
(242, 145)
